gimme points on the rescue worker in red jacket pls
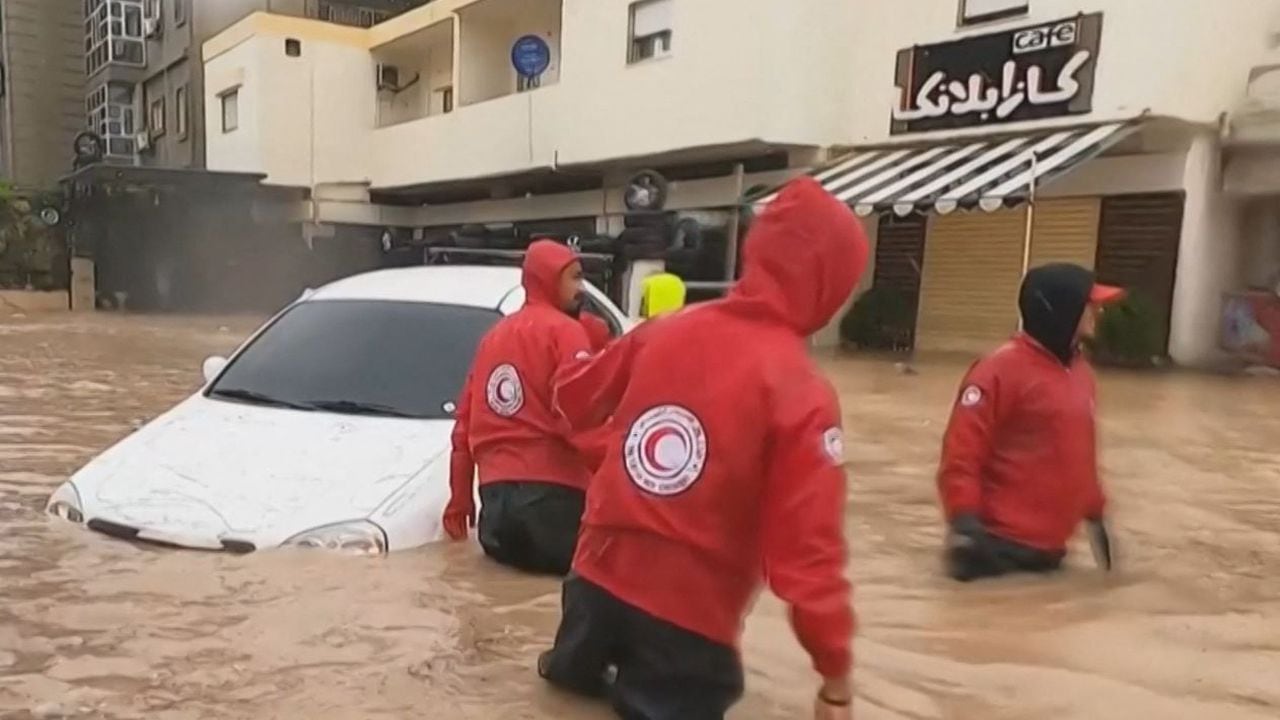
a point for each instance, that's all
(1019, 466)
(723, 470)
(532, 478)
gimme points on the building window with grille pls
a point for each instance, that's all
(111, 116)
(156, 118)
(114, 34)
(181, 113)
(651, 23)
(973, 12)
(230, 110)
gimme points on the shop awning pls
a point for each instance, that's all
(985, 173)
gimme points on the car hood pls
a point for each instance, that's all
(209, 469)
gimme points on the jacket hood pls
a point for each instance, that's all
(540, 276)
(1052, 300)
(803, 257)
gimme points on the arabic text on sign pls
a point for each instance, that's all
(939, 96)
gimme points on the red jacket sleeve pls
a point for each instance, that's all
(598, 332)
(967, 443)
(589, 392)
(462, 466)
(804, 544)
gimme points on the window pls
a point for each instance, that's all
(446, 99)
(151, 9)
(231, 110)
(181, 112)
(361, 356)
(111, 115)
(650, 30)
(155, 118)
(113, 33)
(293, 47)
(980, 11)
(180, 12)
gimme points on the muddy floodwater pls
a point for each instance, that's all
(1188, 627)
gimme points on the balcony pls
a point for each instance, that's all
(487, 32)
(488, 139)
(415, 75)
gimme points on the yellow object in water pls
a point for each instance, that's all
(662, 293)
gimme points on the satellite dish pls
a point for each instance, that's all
(50, 216)
(88, 147)
(646, 192)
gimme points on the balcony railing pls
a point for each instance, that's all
(347, 13)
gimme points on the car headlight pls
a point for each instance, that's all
(358, 537)
(65, 503)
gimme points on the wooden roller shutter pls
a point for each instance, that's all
(1066, 230)
(1138, 247)
(972, 270)
(899, 259)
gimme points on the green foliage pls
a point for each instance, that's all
(881, 319)
(1129, 333)
(29, 249)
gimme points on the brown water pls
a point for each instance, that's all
(1189, 627)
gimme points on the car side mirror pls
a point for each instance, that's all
(213, 367)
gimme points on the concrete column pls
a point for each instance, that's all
(83, 285)
(1209, 254)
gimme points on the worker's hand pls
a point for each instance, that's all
(835, 700)
(458, 518)
(967, 531)
(1100, 541)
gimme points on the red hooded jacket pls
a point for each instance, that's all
(1020, 450)
(504, 422)
(723, 465)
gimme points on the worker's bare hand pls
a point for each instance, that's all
(823, 710)
(835, 700)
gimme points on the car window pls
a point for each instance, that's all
(362, 357)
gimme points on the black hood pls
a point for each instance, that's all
(1052, 301)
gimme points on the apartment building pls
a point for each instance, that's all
(976, 137)
(41, 89)
(145, 96)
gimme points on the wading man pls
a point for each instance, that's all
(532, 477)
(723, 471)
(1019, 466)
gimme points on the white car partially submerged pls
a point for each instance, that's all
(330, 427)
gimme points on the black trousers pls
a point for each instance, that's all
(531, 526)
(649, 668)
(993, 556)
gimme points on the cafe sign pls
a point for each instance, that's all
(1023, 74)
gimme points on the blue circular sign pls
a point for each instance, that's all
(531, 56)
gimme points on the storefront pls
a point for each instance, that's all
(962, 216)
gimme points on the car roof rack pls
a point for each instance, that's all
(502, 254)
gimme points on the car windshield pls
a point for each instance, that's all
(393, 359)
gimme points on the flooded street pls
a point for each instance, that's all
(1189, 626)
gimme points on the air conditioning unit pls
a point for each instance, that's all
(151, 26)
(144, 140)
(388, 77)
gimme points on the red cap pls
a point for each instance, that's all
(1105, 294)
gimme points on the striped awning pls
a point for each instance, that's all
(985, 173)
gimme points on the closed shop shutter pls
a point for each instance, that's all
(899, 260)
(1138, 247)
(972, 270)
(1066, 230)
